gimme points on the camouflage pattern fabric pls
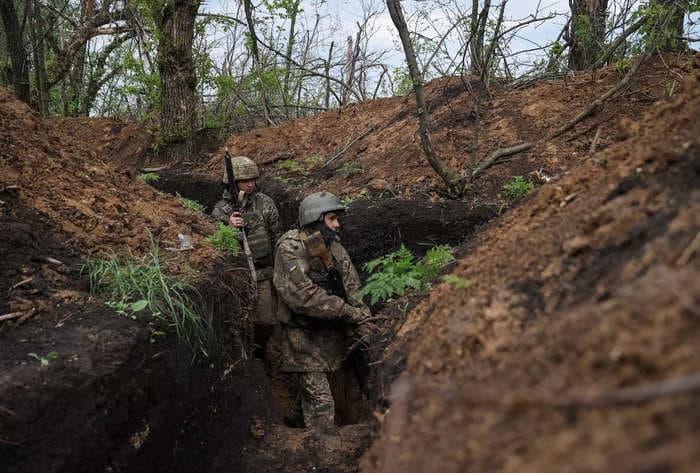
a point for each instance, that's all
(263, 227)
(315, 328)
(317, 403)
(266, 308)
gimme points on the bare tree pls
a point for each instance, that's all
(451, 178)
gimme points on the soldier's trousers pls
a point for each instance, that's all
(317, 403)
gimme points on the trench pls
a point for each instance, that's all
(119, 402)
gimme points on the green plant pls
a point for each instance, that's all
(148, 177)
(128, 309)
(139, 282)
(434, 260)
(518, 187)
(350, 168)
(225, 239)
(44, 360)
(192, 204)
(456, 281)
(313, 160)
(293, 166)
(395, 273)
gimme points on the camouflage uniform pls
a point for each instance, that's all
(263, 229)
(313, 339)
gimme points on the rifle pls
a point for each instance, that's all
(317, 247)
(233, 190)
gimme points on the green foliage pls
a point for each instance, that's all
(293, 166)
(137, 283)
(350, 168)
(225, 239)
(148, 177)
(192, 204)
(434, 260)
(44, 360)
(518, 187)
(395, 273)
(402, 81)
(659, 27)
(456, 281)
(313, 160)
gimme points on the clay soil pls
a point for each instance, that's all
(587, 286)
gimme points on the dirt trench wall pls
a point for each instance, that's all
(83, 389)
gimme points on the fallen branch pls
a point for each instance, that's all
(279, 157)
(155, 169)
(347, 147)
(597, 102)
(499, 153)
(594, 143)
(11, 315)
(23, 282)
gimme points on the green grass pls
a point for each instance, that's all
(192, 204)
(350, 168)
(148, 177)
(136, 283)
(225, 239)
(518, 187)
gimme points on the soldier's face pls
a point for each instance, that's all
(332, 221)
(246, 185)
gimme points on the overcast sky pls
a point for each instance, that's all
(343, 15)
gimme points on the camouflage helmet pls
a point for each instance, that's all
(312, 208)
(243, 168)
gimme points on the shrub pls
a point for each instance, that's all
(148, 177)
(395, 273)
(139, 282)
(225, 239)
(518, 187)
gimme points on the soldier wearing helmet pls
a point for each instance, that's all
(318, 309)
(259, 218)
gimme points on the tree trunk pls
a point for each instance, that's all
(586, 35)
(15, 45)
(37, 31)
(177, 78)
(674, 27)
(256, 60)
(448, 175)
(77, 76)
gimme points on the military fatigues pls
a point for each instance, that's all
(263, 230)
(314, 336)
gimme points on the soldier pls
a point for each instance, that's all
(318, 286)
(259, 218)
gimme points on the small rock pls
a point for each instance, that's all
(576, 245)
(379, 185)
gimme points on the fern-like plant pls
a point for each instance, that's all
(397, 272)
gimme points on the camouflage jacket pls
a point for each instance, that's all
(314, 329)
(263, 227)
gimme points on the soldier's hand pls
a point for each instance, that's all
(236, 220)
(357, 315)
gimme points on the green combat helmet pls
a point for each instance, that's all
(243, 168)
(312, 208)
